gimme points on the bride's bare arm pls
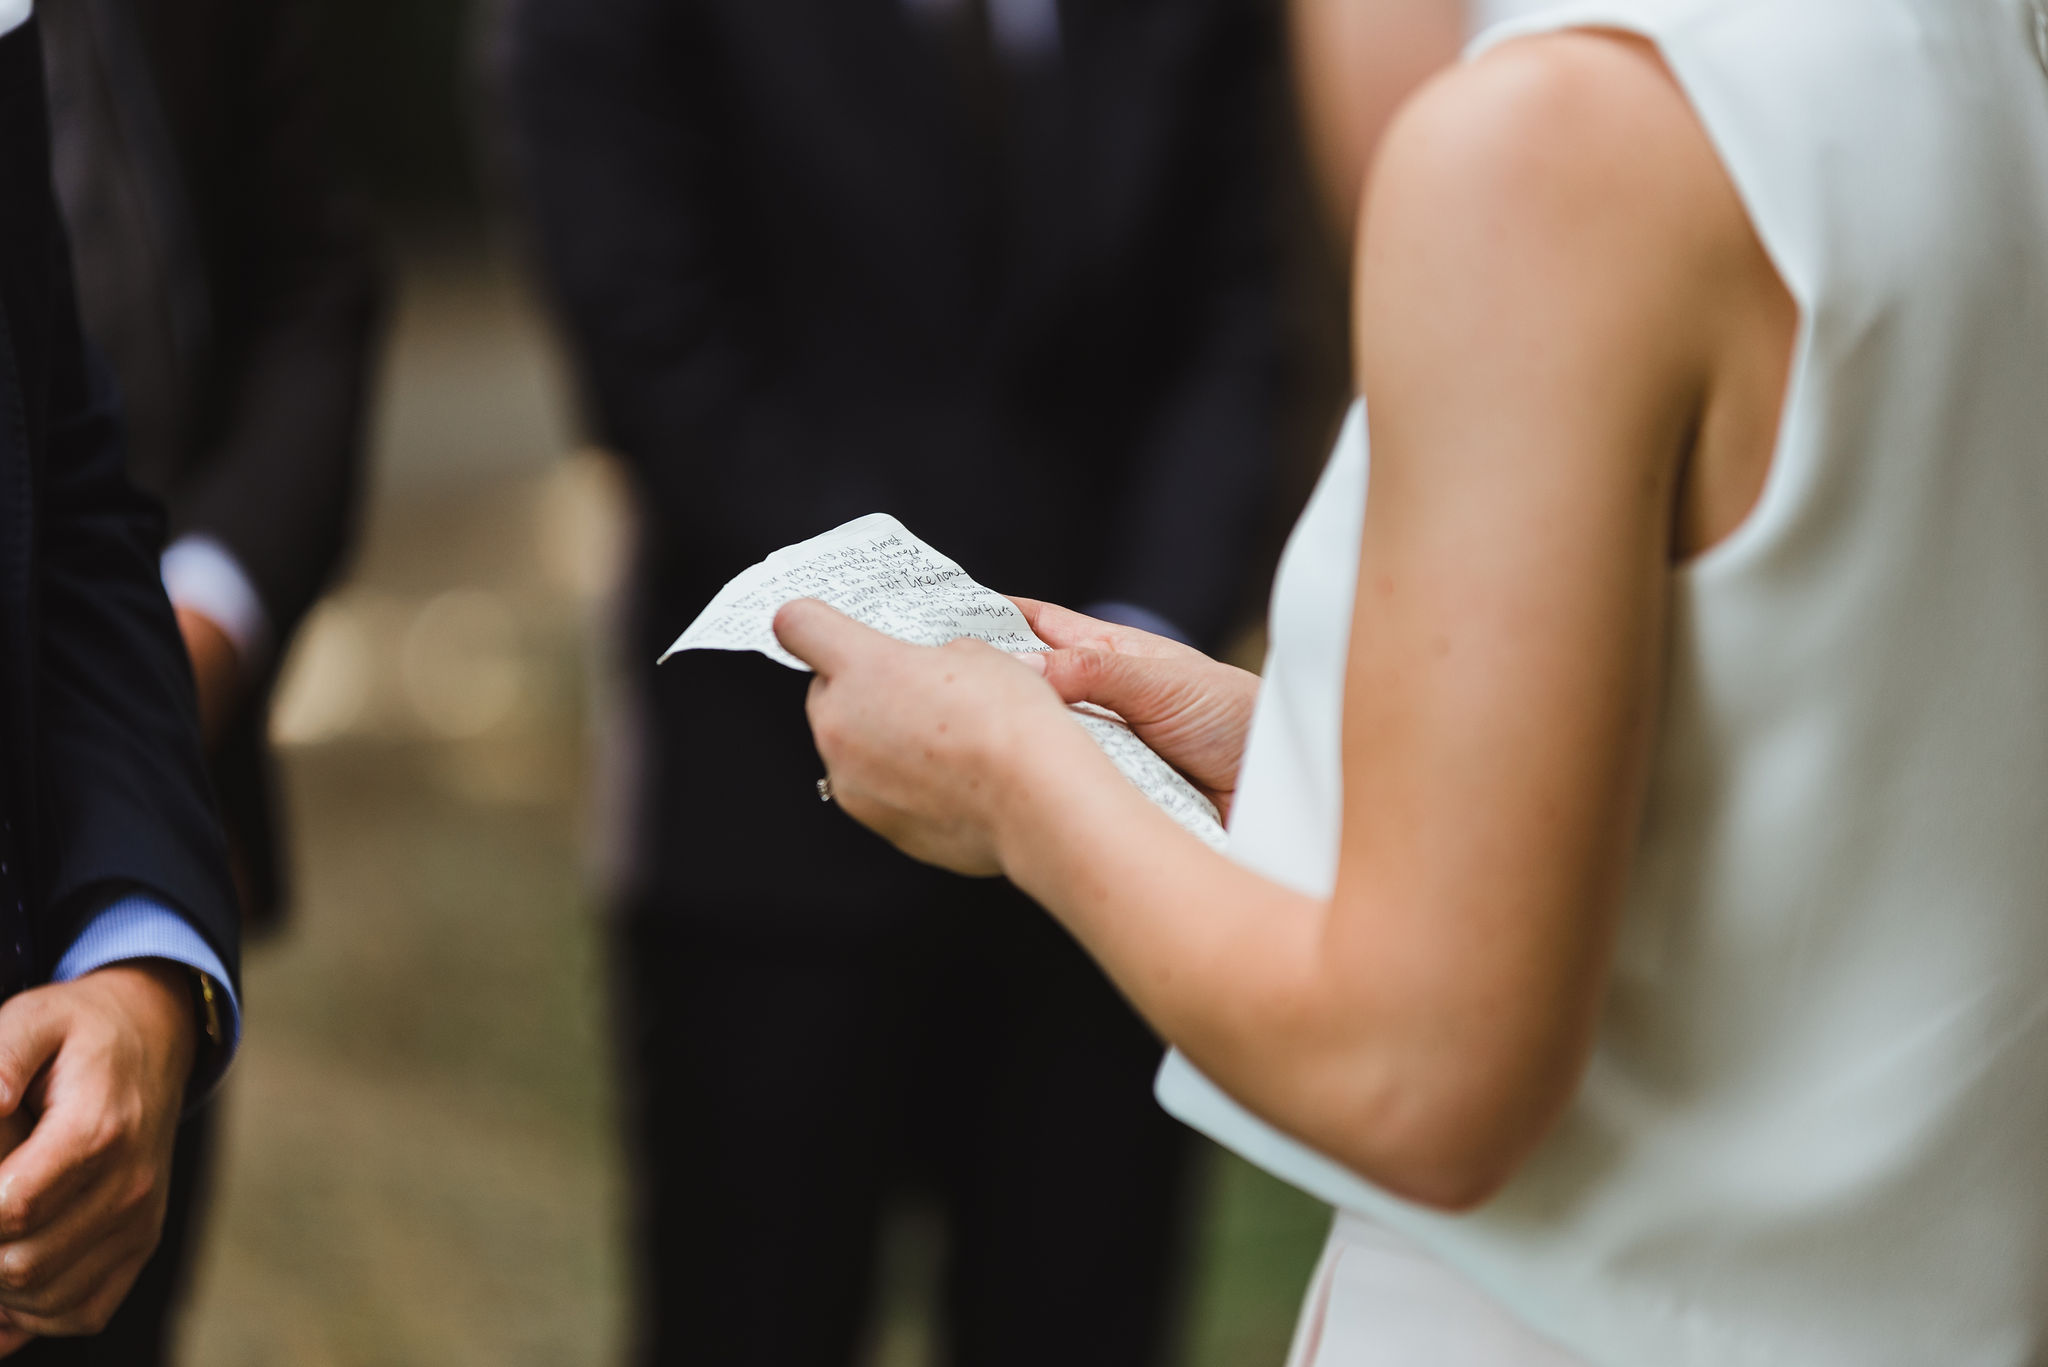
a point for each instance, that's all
(1557, 282)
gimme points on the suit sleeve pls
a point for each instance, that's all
(616, 172)
(1204, 468)
(298, 299)
(127, 807)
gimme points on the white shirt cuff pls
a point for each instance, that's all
(14, 13)
(203, 576)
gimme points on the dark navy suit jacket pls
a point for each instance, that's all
(102, 790)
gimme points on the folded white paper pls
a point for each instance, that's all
(876, 572)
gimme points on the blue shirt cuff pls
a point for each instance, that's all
(139, 927)
(1144, 619)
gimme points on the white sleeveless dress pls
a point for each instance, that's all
(1814, 1132)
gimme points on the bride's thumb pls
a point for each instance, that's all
(1102, 677)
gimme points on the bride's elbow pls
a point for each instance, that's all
(1451, 1182)
(1435, 1139)
(1437, 1099)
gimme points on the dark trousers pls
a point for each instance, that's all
(140, 1333)
(780, 1093)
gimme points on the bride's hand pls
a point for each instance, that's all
(1194, 711)
(920, 743)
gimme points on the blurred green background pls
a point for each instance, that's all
(420, 1164)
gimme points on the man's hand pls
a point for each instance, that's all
(1194, 711)
(101, 1063)
(216, 670)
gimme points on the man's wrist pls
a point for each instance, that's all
(138, 929)
(217, 669)
(202, 575)
(158, 992)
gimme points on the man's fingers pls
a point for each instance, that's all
(31, 1028)
(81, 1201)
(86, 1297)
(66, 1150)
(80, 1267)
(50, 1273)
(822, 637)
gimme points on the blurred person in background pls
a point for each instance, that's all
(119, 935)
(1006, 270)
(1355, 62)
(236, 297)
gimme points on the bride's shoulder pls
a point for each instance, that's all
(1568, 162)
(1551, 245)
(1551, 115)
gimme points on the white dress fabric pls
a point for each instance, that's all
(1481, 15)
(13, 14)
(1814, 1131)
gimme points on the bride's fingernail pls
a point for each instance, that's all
(1032, 660)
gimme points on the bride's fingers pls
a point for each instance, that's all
(1055, 625)
(1129, 685)
(821, 636)
(1065, 629)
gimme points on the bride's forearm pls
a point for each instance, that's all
(1242, 974)
(1237, 971)
(1181, 928)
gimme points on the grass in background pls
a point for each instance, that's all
(1257, 1251)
